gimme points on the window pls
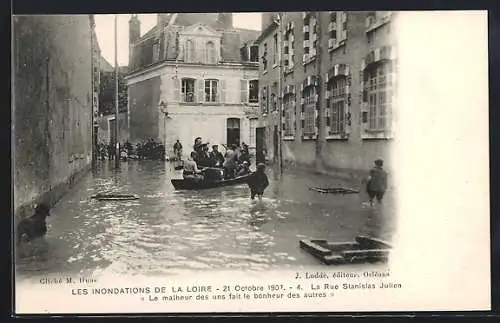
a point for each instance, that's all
(337, 102)
(211, 90)
(190, 51)
(188, 90)
(288, 50)
(378, 78)
(253, 91)
(211, 54)
(264, 101)
(337, 29)
(310, 37)
(254, 53)
(275, 49)
(264, 57)
(253, 126)
(309, 110)
(289, 107)
(274, 97)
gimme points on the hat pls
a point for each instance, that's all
(245, 163)
(379, 162)
(261, 165)
(215, 146)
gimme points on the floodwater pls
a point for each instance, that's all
(166, 230)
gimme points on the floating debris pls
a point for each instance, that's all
(115, 197)
(334, 190)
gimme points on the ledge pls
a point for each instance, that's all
(378, 24)
(337, 46)
(337, 137)
(376, 135)
(309, 60)
(289, 138)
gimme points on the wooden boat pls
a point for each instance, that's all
(115, 197)
(189, 184)
(334, 190)
(363, 249)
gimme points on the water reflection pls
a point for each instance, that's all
(166, 230)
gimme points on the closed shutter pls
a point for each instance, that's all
(176, 89)
(222, 92)
(244, 91)
(200, 91)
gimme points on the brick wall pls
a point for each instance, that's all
(52, 108)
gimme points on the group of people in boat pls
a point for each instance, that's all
(205, 164)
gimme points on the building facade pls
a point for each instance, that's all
(337, 83)
(52, 106)
(193, 75)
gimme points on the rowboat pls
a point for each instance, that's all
(363, 249)
(114, 197)
(189, 184)
(334, 190)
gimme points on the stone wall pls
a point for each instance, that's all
(52, 107)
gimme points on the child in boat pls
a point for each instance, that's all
(258, 182)
(34, 226)
(377, 182)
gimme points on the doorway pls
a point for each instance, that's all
(233, 131)
(112, 131)
(260, 146)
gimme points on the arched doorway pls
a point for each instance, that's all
(233, 131)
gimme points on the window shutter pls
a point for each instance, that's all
(222, 91)
(244, 91)
(201, 91)
(177, 89)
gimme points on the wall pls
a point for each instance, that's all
(104, 131)
(349, 157)
(267, 76)
(52, 106)
(186, 121)
(143, 109)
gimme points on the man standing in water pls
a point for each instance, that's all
(377, 182)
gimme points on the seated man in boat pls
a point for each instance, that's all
(203, 157)
(191, 170)
(216, 157)
(243, 169)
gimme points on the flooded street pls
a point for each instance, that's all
(166, 230)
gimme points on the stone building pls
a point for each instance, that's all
(337, 88)
(193, 75)
(52, 106)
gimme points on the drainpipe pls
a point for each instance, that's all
(319, 51)
(280, 93)
(117, 141)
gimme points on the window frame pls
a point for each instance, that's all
(289, 101)
(309, 110)
(213, 90)
(184, 88)
(378, 82)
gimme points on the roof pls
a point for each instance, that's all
(105, 66)
(232, 39)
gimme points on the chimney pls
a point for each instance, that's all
(134, 29)
(225, 21)
(134, 34)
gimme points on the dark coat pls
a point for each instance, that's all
(258, 182)
(32, 227)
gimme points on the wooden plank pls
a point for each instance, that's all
(372, 243)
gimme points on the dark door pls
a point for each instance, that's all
(233, 131)
(95, 143)
(112, 132)
(275, 143)
(260, 140)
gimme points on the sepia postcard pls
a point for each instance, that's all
(332, 161)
